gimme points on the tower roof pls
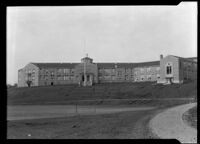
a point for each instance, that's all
(86, 58)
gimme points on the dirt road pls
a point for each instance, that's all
(169, 124)
(52, 111)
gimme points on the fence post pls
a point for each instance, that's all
(94, 108)
(76, 108)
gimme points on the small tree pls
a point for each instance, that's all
(28, 83)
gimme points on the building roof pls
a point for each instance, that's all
(191, 59)
(100, 65)
(87, 58)
(55, 65)
(127, 65)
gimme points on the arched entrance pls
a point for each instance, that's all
(86, 79)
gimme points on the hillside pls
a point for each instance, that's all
(66, 93)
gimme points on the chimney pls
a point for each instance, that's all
(161, 56)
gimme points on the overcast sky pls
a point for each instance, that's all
(106, 33)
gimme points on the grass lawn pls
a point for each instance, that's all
(126, 125)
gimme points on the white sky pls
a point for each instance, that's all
(106, 33)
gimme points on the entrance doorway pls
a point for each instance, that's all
(169, 80)
(83, 78)
(86, 80)
(88, 77)
(52, 83)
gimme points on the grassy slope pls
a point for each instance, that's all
(62, 94)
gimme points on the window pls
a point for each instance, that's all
(66, 70)
(119, 73)
(135, 72)
(40, 77)
(158, 76)
(148, 69)
(52, 75)
(142, 78)
(169, 69)
(33, 78)
(29, 76)
(46, 77)
(113, 77)
(59, 77)
(72, 72)
(66, 77)
(149, 77)
(59, 70)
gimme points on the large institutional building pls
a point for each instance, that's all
(169, 69)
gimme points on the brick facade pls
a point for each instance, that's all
(169, 69)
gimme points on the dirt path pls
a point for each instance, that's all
(169, 124)
(52, 111)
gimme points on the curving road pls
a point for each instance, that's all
(169, 124)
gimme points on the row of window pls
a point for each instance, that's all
(101, 70)
(58, 71)
(120, 74)
(132, 77)
(65, 77)
(29, 71)
(148, 69)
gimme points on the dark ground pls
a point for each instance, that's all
(190, 117)
(124, 125)
(116, 125)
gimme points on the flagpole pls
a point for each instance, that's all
(84, 73)
(84, 67)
